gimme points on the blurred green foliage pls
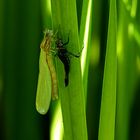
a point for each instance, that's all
(21, 30)
(20, 35)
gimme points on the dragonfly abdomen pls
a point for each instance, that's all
(49, 61)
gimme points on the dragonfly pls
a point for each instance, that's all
(47, 80)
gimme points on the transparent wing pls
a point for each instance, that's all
(43, 96)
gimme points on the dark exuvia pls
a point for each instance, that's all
(63, 55)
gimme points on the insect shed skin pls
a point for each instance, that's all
(62, 53)
(46, 46)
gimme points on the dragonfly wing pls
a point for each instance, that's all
(43, 96)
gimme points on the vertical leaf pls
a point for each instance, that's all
(85, 39)
(108, 102)
(64, 17)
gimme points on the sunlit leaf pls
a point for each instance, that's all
(108, 102)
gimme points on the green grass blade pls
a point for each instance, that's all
(108, 102)
(64, 17)
(85, 39)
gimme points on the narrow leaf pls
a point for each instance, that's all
(108, 102)
(64, 17)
